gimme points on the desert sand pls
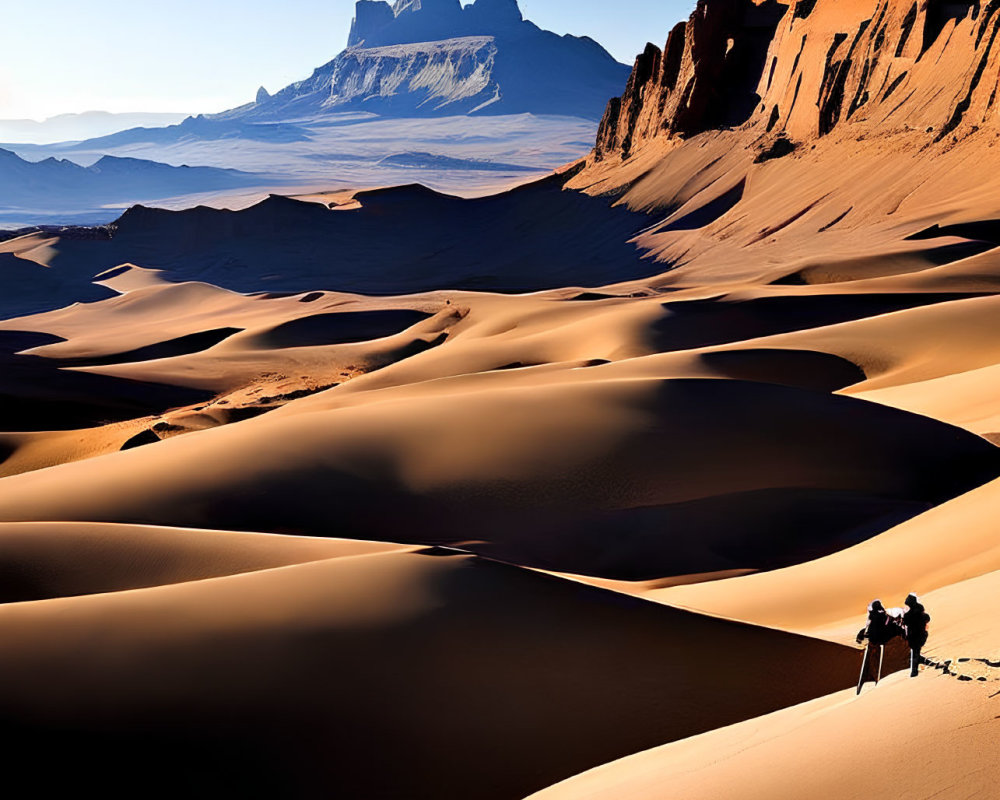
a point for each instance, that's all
(579, 490)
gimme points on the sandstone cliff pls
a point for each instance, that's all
(809, 67)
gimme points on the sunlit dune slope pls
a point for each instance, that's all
(909, 738)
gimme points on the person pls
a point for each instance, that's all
(915, 620)
(880, 628)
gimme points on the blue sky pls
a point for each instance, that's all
(193, 56)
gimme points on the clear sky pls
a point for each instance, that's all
(194, 56)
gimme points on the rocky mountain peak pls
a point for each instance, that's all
(377, 24)
(434, 57)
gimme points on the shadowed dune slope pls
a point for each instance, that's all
(343, 328)
(42, 560)
(954, 542)
(378, 676)
(37, 395)
(29, 288)
(539, 473)
(534, 237)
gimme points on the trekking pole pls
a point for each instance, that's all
(864, 668)
(881, 655)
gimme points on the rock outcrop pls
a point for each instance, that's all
(377, 24)
(806, 69)
(422, 57)
(705, 77)
(454, 75)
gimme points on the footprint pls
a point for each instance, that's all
(966, 669)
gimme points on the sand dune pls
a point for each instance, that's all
(919, 737)
(730, 377)
(968, 399)
(42, 560)
(946, 545)
(552, 468)
(378, 676)
(908, 739)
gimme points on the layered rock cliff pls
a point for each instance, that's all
(452, 76)
(809, 68)
(421, 57)
(705, 77)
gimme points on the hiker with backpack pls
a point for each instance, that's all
(880, 630)
(915, 620)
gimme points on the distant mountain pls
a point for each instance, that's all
(75, 127)
(434, 57)
(418, 160)
(203, 129)
(57, 183)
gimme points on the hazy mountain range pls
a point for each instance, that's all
(474, 98)
(74, 127)
(62, 186)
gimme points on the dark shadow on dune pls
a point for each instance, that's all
(805, 369)
(15, 341)
(590, 297)
(402, 240)
(983, 231)
(266, 709)
(141, 439)
(36, 394)
(348, 327)
(181, 346)
(703, 323)
(113, 273)
(710, 212)
(779, 474)
(148, 762)
(29, 288)
(44, 398)
(776, 528)
(882, 264)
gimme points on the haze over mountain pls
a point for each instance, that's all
(63, 184)
(474, 98)
(67, 127)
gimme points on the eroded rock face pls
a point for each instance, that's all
(377, 24)
(705, 77)
(425, 57)
(370, 17)
(455, 74)
(811, 68)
